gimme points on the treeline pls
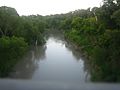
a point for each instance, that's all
(17, 33)
(97, 32)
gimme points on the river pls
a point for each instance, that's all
(56, 61)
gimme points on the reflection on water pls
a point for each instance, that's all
(58, 60)
(26, 67)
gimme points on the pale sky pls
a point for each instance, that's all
(47, 7)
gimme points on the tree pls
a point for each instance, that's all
(116, 16)
(8, 21)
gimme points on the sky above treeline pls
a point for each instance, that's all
(47, 7)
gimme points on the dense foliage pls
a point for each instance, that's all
(11, 49)
(97, 32)
(16, 34)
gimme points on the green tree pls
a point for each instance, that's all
(8, 21)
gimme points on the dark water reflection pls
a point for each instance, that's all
(58, 60)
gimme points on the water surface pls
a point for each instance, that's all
(56, 61)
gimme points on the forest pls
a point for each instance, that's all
(96, 31)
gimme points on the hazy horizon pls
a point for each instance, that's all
(48, 7)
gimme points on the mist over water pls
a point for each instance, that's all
(56, 61)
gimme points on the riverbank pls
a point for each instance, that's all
(98, 56)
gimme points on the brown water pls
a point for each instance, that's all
(56, 61)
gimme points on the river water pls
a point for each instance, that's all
(56, 61)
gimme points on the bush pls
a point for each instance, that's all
(11, 49)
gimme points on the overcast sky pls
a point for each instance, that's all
(46, 7)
